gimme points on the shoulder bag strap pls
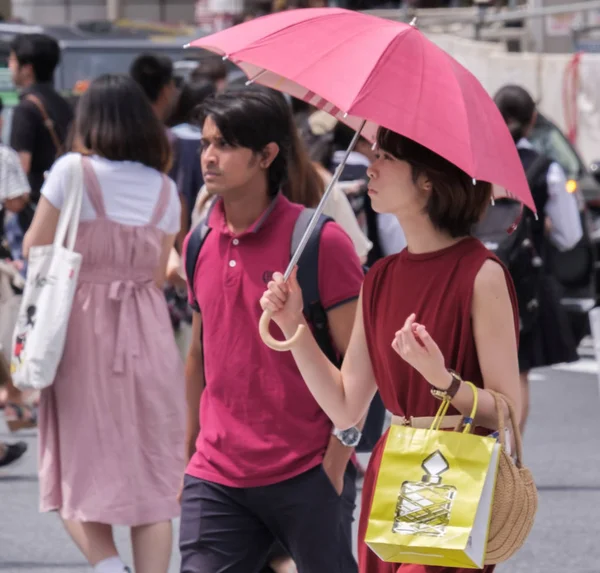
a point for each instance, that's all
(48, 123)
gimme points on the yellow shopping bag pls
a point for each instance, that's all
(433, 497)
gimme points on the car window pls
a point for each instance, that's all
(549, 140)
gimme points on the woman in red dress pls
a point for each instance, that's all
(443, 303)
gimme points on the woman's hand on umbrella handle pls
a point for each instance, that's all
(282, 303)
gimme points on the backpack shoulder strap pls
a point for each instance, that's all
(308, 279)
(194, 244)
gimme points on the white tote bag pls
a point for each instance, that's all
(53, 270)
(9, 305)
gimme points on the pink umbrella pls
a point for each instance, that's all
(370, 72)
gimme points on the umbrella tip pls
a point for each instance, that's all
(225, 58)
(186, 46)
(413, 22)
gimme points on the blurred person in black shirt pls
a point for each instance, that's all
(41, 119)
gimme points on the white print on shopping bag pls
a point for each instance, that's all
(424, 507)
(25, 325)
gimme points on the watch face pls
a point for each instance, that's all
(350, 437)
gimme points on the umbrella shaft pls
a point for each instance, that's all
(321, 205)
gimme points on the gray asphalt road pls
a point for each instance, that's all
(562, 449)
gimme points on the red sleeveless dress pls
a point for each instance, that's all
(438, 288)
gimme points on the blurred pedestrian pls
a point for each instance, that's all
(549, 340)
(41, 119)
(111, 425)
(155, 75)
(211, 68)
(14, 198)
(186, 169)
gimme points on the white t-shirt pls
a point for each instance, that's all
(130, 192)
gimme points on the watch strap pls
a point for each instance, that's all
(452, 390)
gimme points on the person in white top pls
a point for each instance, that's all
(561, 209)
(14, 196)
(549, 340)
(111, 426)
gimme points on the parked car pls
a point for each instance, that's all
(577, 270)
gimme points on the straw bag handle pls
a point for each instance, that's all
(467, 422)
(500, 400)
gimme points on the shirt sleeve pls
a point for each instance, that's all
(561, 208)
(56, 182)
(24, 128)
(171, 221)
(13, 181)
(340, 271)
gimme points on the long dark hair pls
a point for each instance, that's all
(115, 120)
(304, 184)
(517, 108)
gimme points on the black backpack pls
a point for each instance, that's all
(517, 250)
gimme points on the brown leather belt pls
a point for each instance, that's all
(449, 422)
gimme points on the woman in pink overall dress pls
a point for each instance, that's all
(445, 302)
(111, 425)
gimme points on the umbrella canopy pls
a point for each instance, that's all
(360, 67)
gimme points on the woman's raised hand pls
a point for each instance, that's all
(283, 300)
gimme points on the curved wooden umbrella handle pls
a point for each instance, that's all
(279, 345)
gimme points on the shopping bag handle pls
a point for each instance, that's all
(467, 423)
(500, 400)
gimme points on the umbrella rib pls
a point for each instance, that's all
(466, 116)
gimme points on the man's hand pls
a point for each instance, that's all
(334, 466)
(180, 492)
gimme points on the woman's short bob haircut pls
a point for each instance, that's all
(456, 204)
(115, 120)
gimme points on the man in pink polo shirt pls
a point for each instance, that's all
(267, 465)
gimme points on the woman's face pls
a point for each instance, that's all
(391, 186)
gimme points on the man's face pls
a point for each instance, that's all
(226, 169)
(19, 74)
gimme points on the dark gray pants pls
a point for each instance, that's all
(232, 530)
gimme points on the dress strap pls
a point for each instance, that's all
(92, 186)
(163, 201)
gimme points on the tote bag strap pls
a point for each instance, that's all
(68, 222)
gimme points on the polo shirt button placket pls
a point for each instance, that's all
(232, 274)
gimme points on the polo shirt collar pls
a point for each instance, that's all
(217, 219)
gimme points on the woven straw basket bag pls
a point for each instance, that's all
(515, 497)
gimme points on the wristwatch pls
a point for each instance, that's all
(451, 391)
(349, 438)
